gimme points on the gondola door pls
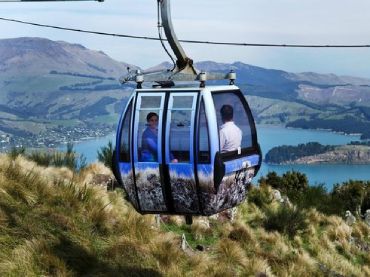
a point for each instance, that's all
(180, 151)
(148, 151)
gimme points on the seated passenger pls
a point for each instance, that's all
(149, 141)
(230, 134)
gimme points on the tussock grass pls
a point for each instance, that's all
(55, 221)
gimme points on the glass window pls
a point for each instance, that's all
(233, 123)
(147, 128)
(125, 136)
(203, 153)
(180, 129)
(182, 102)
(150, 102)
(180, 135)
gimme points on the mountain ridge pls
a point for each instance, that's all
(53, 81)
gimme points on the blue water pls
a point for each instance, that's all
(271, 136)
(328, 174)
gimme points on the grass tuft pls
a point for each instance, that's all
(54, 221)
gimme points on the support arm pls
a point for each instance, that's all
(183, 63)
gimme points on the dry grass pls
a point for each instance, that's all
(54, 222)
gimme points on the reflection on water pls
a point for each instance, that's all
(271, 136)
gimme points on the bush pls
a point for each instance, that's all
(68, 159)
(350, 195)
(105, 155)
(271, 179)
(315, 196)
(16, 151)
(290, 183)
(261, 196)
(294, 181)
(288, 221)
(366, 200)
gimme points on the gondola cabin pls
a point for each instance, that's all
(168, 156)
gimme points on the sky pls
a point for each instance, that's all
(246, 21)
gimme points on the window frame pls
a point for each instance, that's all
(170, 108)
(244, 150)
(138, 109)
(127, 113)
(203, 105)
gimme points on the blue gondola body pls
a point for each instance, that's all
(203, 180)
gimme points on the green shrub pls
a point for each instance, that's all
(366, 200)
(349, 195)
(294, 181)
(68, 159)
(16, 151)
(105, 155)
(314, 196)
(288, 221)
(290, 183)
(271, 179)
(261, 196)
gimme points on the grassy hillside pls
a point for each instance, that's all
(57, 222)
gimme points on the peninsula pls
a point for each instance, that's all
(315, 153)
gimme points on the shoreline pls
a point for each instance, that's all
(339, 154)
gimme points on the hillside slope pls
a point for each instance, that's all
(56, 222)
(54, 87)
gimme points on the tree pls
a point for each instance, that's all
(350, 195)
(105, 155)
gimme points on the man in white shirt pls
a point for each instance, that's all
(230, 134)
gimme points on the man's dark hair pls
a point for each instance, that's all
(150, 115)
(227, 113)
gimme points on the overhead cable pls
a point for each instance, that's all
(192, 41)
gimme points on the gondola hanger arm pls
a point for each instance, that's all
(184, 64)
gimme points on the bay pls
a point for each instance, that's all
(327, 174)
(270, 136)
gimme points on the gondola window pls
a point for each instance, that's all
(203, 153)
(180, 128)
(125, 134)
(240, 115)
(147, 135)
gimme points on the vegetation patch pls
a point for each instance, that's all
(55, 222)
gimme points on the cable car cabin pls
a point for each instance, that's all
(168, 154)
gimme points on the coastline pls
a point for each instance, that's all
(344, 155)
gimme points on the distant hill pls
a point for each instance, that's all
(304, 100)
(39, 56)
(44, 82)
(52, 85)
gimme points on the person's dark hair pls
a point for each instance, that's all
(150, 115)
(227, 113)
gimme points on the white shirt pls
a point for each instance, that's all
(230, 137)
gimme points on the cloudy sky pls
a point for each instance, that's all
(249, 21)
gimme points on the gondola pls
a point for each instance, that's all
(188, 173)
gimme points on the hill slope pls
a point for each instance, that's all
(53, 87)
(43, 83)
(60, 223)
